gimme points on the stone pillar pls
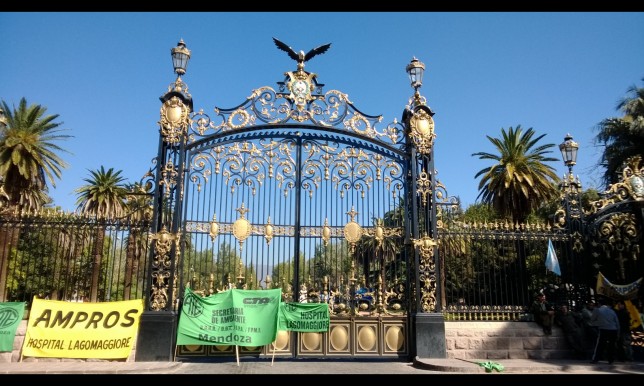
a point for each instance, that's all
(430, 335)
(157, 337)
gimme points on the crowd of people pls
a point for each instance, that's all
(600, 330)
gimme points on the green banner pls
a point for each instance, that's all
(10, 317)
(304, 317)
(234, 317)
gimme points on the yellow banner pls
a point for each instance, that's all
(82, 330)
(636, 320)
(617, 291)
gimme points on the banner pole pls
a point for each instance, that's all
(237, 354)
(273, 360)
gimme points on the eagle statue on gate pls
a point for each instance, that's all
(301, 57)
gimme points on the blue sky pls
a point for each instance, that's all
(103, 73)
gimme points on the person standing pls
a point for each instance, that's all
(590, 331)
(605, 319)
(624, 350)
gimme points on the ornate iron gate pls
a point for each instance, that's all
(295, 188)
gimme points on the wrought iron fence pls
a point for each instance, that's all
(492, 271)
(68, 257)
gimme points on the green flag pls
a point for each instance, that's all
(234, 317)
(489, 366)
(304, 317)
(10, 317)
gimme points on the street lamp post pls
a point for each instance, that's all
(569, 150)
(157, 329)
(415, 69)
(570, 188)
(428, 318)
(180, 57)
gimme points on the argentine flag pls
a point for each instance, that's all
(552, 264)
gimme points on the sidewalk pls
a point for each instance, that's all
(531, 366)
(320, 366)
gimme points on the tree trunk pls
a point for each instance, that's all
(98, 257)
(130, 261)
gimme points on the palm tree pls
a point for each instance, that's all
(28, 156)
(372, 251)
(139, 207)
(28, 160)
(102, 198)
(520, 180)
(622, 137)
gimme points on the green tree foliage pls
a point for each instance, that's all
(210, 271)
(284, 274)
(481, 213)
(520, 179)
(103, 198)
(375, 255)
(622, 137)
(53, 259)
(333, 261)
(139, 211)
(29, 155)
(28, 159)
(588, 196)
(104, 194)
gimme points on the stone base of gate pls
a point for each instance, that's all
(504, 340)
(430, 335)
(157, 336)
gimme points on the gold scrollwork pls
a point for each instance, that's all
(214, 228)
(303, 101)
(428, 293)
(631, 185)
(268, 231)
(301, 85)
(356, 122)
(352, 230)
(242, 228)
(239, 115)
(620, 234)
(379, 232)
(634, 178)
(168, 177)
(161, 264)
(174, 120)
(422, 131)
(425, 247)
(326, 232)
(424, 186)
